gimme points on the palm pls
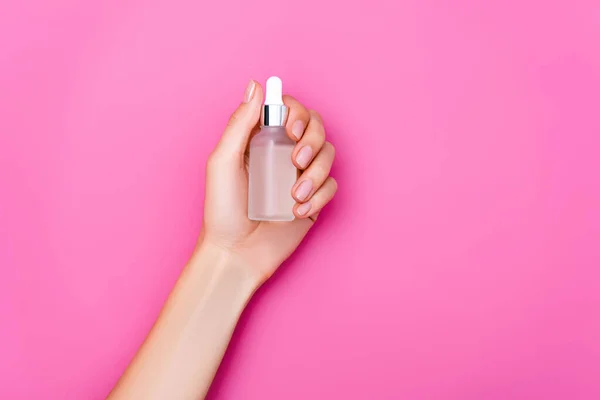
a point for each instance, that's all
(226, 217)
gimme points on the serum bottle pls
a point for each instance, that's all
(271, 171)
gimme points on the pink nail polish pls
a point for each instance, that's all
(304, 189)
(298, 129)
(303, 208)
(249, 94)
(304, 156)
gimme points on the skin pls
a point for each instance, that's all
(233, 258)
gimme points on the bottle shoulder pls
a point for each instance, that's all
(275, 135)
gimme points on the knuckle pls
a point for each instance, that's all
(314, 114)
(320, 171)
(296, 108)
(320, 135)
(334, 183)
(330, 147)
(316, 126)
(289, 100)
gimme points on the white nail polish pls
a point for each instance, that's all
(271, 172)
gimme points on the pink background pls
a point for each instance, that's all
(459, 260)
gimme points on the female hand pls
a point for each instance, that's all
(265, 245)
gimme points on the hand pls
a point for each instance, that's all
(265, 245)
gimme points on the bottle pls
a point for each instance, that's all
(271, 173)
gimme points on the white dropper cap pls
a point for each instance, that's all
(274, 91)
(274, 112)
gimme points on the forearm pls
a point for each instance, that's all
(181, 354)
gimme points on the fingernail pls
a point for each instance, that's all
(304, 190)
(304, 155)
(249, 91)
(298, 129)
(303, 209)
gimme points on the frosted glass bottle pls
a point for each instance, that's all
(271, 175)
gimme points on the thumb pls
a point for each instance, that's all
(242, 121)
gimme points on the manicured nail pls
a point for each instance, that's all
(298, 129)
(304, 190)
(303, 209)
(249, 92)
(304, 155)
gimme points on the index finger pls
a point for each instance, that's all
(298, 118)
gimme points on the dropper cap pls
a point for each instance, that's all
(274, 112)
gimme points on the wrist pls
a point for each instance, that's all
(225, 265)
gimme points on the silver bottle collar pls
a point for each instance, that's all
(273, 115)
